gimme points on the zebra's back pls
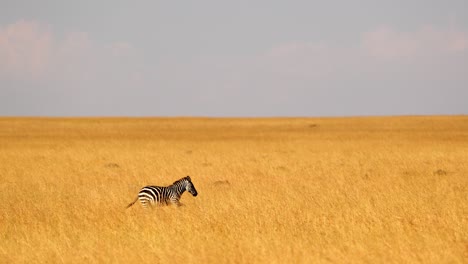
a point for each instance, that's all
(154, 195)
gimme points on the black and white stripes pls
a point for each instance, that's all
(157, 195)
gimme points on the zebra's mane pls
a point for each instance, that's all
(183, 179)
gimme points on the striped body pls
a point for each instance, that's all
(157, 195)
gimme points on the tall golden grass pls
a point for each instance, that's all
(292, 190)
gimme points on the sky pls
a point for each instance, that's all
(233, 58)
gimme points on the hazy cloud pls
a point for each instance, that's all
(25, 49)
(382, 53)
(388, 43)
(30, 50)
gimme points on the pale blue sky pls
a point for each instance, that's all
(233, 58)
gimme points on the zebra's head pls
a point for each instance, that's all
(189, 186)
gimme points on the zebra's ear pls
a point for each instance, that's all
(188, 178)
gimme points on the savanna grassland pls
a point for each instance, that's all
(298, 190)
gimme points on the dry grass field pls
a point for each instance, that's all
(298, 190)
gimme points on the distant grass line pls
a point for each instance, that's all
(282, 190)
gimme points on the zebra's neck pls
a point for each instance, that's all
(179, 187)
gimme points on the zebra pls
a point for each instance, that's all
(157, 195)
